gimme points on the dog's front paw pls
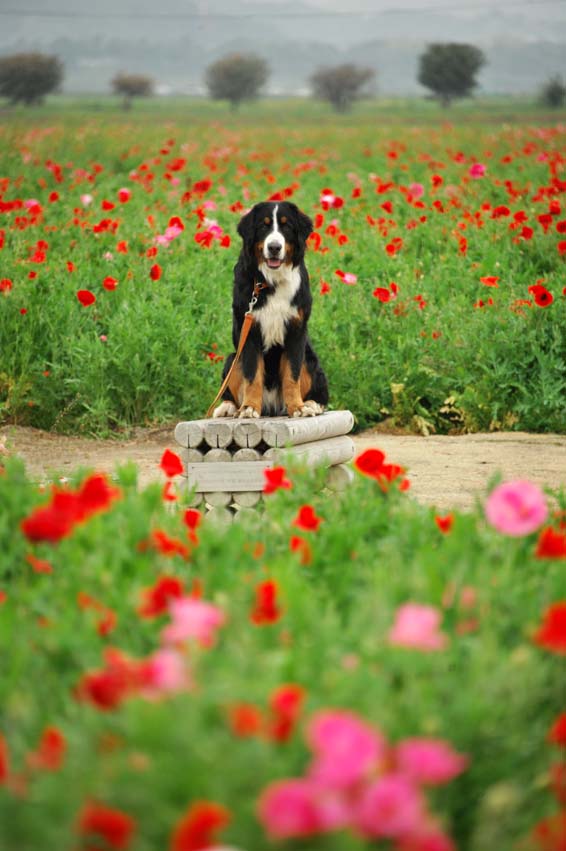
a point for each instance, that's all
(248, 411)
(225, 409)
(309, 409)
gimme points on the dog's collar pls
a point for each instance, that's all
(259, 286)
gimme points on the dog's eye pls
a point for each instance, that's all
(267, 220)
(283, 220)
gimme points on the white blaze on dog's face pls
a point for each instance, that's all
(274, 247)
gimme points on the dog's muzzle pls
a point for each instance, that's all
(274, 251)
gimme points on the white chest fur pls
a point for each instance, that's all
(277, 310)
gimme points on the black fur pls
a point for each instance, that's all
(295, 344)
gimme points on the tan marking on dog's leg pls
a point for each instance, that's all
(305, 381)
(236, 384)
(292, 397)
(253, 393)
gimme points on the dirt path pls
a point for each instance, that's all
(445, 471)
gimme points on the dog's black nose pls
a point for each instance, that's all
(273, 249)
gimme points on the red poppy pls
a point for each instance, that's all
(96, 494)
(285, 703)
(490, 280)
(168, 493)
(166, 545)
(192, 519)
(197, 829)
(86, 298)
(444, 523)
(314, 241)
(307, 519)
(50, 523)
(201, 186)
(550, 833)
(561, 247)
(176, 222)
(551, 543)
(171, 464)
(542, 297)
(50, 753)
(109, 283)
(324, 287)
(382, 294)
(5, 285)
(155, 272)
(39, 565)
(557, 733)
(108, 687)
(245, 720)
(301, 546)
(266, 609)
(552, 634)
(156, 599)
(113, 826)
(275, 480)
(66, 509)
(370, 462)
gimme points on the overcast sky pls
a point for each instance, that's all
(174, 40)
(314, 20)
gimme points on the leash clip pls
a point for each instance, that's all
(252, 304)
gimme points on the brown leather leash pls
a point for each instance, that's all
(244, 333)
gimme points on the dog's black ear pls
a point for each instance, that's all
(306, 226)
(246, 229)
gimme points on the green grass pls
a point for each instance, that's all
(287, 110)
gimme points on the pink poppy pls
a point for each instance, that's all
(477, 170)
(516, 508)
(193, 619)
(431, 762)
(390, 807)
(298, 807)
(417, 626)
(345, 748)
(165, 672)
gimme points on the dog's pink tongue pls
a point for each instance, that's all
(274, 264)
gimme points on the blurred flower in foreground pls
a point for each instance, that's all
(516, 508)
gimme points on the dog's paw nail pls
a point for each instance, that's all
(248, 412)
(225, 409)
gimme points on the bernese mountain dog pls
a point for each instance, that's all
(278, 372)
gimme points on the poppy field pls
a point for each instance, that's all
(338, 671)
(280, 682)
(437, 265)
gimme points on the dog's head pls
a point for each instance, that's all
(275, 233)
